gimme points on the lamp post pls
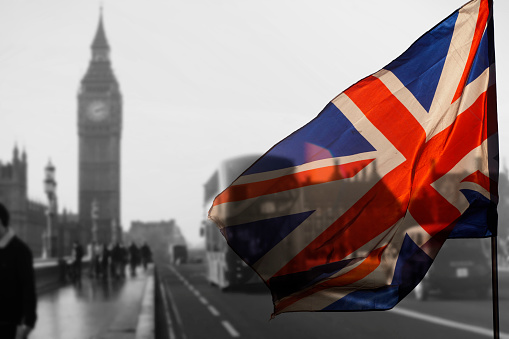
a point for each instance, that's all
(50, 190)
(95, 215)
(114, 232)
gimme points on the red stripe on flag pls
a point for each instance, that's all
(367, 266)
(391, 195)
(388, 114)
(480, 179)
(291, 181)
(439, 156)
(387, 201)
(374, 213)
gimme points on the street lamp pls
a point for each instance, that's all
(50, 190)
(114, 232)
(95, 216)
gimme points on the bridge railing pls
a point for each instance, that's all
(52, 273)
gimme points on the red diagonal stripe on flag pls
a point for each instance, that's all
(291, 181)
(391, 195)
(368, 265)
(387, 201)
(428, 207)
(480, 179)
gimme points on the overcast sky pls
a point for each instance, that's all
(201, 81)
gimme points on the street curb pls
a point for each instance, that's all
(145, 329)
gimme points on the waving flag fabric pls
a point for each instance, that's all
(371, 188)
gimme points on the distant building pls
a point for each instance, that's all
(158, 234)
(29, 217)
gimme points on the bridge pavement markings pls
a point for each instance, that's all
(449, 323)
(213, 310)
(167, 291)
(229, 327)
(171, 333)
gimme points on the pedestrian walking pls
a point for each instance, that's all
(124, 257)
(116, 260)
(94, 251)
(105, 261)
(146, 255)
(77, 259)
(18, 300)
(134, 258)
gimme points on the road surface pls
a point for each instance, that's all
(195, 309)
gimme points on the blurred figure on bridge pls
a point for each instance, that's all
(124, 257)
(116, 260)
(134, 258)
(18, 300)
(94, 252)
(104, 260)
(77, 259)
(146, 255)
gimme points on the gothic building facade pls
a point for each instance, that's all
(99, 133)
(28, 217)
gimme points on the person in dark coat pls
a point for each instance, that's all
(117, 260)
(77, 259)
(146, 255)
(94, 252)
(105, 261)
(124, 257)
(18, 298)
(134, 257)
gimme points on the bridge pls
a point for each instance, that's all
(170, 301)
(109, 308)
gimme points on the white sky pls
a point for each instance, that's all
(201, 81)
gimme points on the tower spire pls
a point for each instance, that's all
(100, 41)
(99, 71)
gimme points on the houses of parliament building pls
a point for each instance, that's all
(99, 122)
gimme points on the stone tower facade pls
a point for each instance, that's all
(99, 131)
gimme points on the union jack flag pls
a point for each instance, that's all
(349, 211)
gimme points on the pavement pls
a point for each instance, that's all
(98, 309)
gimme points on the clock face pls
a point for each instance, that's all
(97, 111)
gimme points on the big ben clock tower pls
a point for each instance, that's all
(99, 130)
